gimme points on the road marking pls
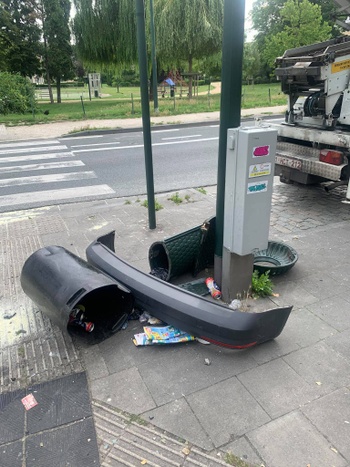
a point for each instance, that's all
(28, 143)
(182, 137)
(141, 145)
(52, 178)
(43, 166)
(45, 148)
(55, 195)
(163, 131)
(81, 137)
(95, 144)
(35, 157)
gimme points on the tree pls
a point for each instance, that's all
(302, 25)
(188, 30)
(105, 32)
(16, 94)
(56, 37)
(251, 62)
(20, 47)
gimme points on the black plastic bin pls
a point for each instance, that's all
(188, 252)
(58, 281)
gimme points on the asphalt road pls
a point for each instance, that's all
(46, 172)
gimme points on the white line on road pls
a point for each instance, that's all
(82, 137)
(182, 137)
(163, 131)
(55, 195)
(95, 144)
(43, 166)
(52, 178)
(35, 157)
(141, 145)
(29, 143)
(21, 150)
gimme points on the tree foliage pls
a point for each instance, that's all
(57, 48)
(251, 62)
(105, 32)
(302, 25)
(20, 34)
(16, 93)
(188, 30)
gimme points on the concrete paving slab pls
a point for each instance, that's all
(322, 366)
(227, 410)
(11, 416)
(277, 387)
(168, 383)
(304, 328)
(331, 416)
(340, 343)
(291, 293)
(335, 311)
(178, 416)
(243, 449)
(124, 390)
(293, 441)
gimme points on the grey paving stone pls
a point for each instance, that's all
(292, 441)
(304, 328)
(331, 416)
(291, 293)
(321, 285)
(282, 345)
(227, 410)
(124, 390)
(277, 387)
(340, 343)
(341, 273)
(320, 365)
(169, 382)
(335, 311)
(94, 363)
(178, 417)
(243, 449)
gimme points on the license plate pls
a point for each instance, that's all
(286, 161)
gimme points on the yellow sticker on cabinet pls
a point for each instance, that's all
(258, 170)
(340, 66)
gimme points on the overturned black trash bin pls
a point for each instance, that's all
(58, 282)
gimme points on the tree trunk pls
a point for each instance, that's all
(49, 87)
(190, 77)
(58, 89)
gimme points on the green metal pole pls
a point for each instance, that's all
(154, 60)
(230, 107)
(146, 122)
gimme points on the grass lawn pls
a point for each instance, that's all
(76, 104)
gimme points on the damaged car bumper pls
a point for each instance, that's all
(198, 316)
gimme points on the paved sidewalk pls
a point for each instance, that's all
(284, 403)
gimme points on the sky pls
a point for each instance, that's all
(248, 7)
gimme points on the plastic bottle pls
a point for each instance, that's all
(77, 318)
(213, 288)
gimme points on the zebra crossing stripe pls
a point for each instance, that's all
(42, 148)
(35, 157)
(52, 178)
(28, 143)
(54, 196)
(43, 166)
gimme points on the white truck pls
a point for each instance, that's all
(314, 141)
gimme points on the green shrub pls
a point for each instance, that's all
(16, 94)
(261, 284)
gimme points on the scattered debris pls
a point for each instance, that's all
(318, 383)
(186, 451)
(235, 304)
(20, 331)
(207, 361)
(29, 402)
(202, 341)
(213, 288)
(334, 450)
(9, 316)
(143, 462)
(161, 335)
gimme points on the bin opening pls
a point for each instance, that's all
(159, 260)
(107, 308)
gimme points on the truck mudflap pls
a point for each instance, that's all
(189, 312)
